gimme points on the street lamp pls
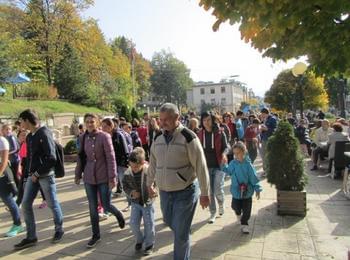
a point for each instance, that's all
(298, 71)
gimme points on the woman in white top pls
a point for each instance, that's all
(6, 191)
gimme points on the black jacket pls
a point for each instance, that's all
(41, 153)
(120, 148)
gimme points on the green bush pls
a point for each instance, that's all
(36, 90)
(71, 147)
(284, 161)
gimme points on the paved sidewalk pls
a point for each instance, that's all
(323, 234)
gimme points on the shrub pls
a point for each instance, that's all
(71, 147)
(284, 162)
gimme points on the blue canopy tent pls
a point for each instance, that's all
(18, 79)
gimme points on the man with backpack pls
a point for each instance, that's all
(177, 165)
(40, 166)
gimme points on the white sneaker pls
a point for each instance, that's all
(212, 219)
(221, 210)
(245, 229)
(102, 216)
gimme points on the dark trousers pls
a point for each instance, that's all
(146, 148)
(252, 150)
(105, 193)
(244, 207)
(318, 152)
(14, 169)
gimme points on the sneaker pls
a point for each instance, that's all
(314, 168)
(121, 222)
(43, 205)
(221, 210)
(245, 229)
(25, 243)
(93, 242)
(14, 230)
(138, 247)
(102, 216)
(57, 237)
(212, 219)
(148, 250)
(126, 209)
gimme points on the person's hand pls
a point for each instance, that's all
(111, 185)
(257, 195)
(135, 194)
(77, 181)
(152, 191)
(204, 201)
(34, 179)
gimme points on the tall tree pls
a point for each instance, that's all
(287, 29)
(16, 54)
(71, 76)
(284, 93)
(140, 68)
(171, 78)
(50, 24)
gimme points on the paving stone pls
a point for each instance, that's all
(323, 234)
(280, 255)
(250, 249)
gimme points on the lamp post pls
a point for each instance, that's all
(298, 71)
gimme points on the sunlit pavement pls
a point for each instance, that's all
(323, 234)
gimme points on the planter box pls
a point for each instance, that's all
(291, 203)
(70, 157)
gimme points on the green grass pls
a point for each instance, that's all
(12, 107)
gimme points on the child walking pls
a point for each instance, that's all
(243, 184)
(134, 184)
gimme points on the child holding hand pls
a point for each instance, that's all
(243, 184)
(134, 184)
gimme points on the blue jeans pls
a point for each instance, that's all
(105, 193)
(217, 180)
(178, 209)
(147, 213)
(8, 200)
(48, 185)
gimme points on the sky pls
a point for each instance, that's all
(185, 29)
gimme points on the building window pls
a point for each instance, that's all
(202, 91)
(223, 101)
(202, 101)
(212, 91)
(212, 101)
(223, 90)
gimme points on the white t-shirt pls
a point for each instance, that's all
(4, 144)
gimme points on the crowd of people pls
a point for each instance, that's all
(182, 160)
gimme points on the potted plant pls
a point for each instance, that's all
(285, 170)
(70, 151)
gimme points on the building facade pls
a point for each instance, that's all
(224, 96)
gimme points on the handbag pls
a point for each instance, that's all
(7, 182)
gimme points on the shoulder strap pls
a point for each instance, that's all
(188, 134)
(157, 135)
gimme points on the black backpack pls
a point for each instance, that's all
(59, 165)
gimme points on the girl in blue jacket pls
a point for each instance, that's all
(243, 184)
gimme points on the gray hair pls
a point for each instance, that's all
(169, 108)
